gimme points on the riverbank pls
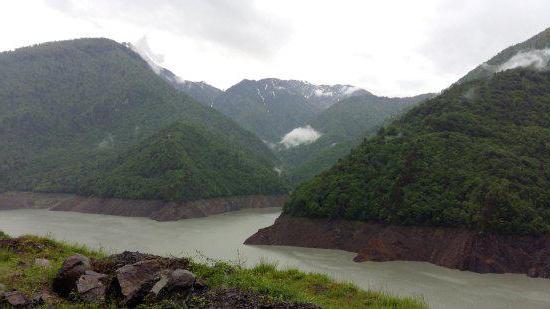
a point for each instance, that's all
(153, 209)
(449, 247)
(37, 271)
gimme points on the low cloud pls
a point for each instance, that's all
(537, 59)
(300, 136)
(142, 48)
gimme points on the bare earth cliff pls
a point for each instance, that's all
(154, 209)
(449, 247)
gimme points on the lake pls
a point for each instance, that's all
(221, 237)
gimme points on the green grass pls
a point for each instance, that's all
(18, 271)
(295, 285)
(17, 265)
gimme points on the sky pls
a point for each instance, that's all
(388, 47)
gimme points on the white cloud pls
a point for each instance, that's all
(300, 136)
(536, 59)
(142, 48)
(392, 48)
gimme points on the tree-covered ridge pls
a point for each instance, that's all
(476, 156)
(183, 162)
(66, 106)
(343, 126)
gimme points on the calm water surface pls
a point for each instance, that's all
(221, 237)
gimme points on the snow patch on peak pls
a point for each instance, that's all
(142, 48)
(349, 90)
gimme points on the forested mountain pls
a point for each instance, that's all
(534, 53)
(70, 110)
(343, 126)
(475, 157)
(272, 107)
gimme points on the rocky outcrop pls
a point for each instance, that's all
(154, 209)
(92, 287)
(128, 279)
(449, 247)
(15, 299)
(72, 269)
(133, 279)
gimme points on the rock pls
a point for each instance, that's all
(136, 280)
(177, 283)
(17, 299)
(92, 287)
(43, 263)
(200, 284)
(73, 268)
(38, 300)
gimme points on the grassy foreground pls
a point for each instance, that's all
(19, 270)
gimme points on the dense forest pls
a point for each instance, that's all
(73, 110)
(476, 156)
(343, 126)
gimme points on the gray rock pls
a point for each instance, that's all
(17, 299)
(43, 263)
(178, 283)
(92, 287)
(136, 280)
(73, 268)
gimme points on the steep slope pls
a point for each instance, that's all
(65, 107)
(534, 52)
(343, 126)
(200, 91)
(473, 157)
(460, 181)
(272, 107)
(184, 162)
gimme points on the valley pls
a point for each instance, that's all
(337, 164)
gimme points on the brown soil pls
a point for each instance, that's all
(154, 209)
(449, 247)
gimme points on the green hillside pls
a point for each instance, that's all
(269, 116)
(476, 156)
(68, 107)
(183, 162)
(343, 125)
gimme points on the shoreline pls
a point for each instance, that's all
(454, 248)
(154, 209)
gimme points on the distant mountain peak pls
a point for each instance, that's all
(319, 97)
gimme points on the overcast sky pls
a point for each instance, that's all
(389, 47)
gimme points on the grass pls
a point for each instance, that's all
(18, 271)
(295, 285)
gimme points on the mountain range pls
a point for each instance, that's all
(475, 157)
(80, 116)
(276, 110)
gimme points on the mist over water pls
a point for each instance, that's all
(221, 237)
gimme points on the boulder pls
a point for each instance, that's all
(136, 280)
(73, 268)
(43, 263)
(178, 283)
(17, 299)
(92, 287)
